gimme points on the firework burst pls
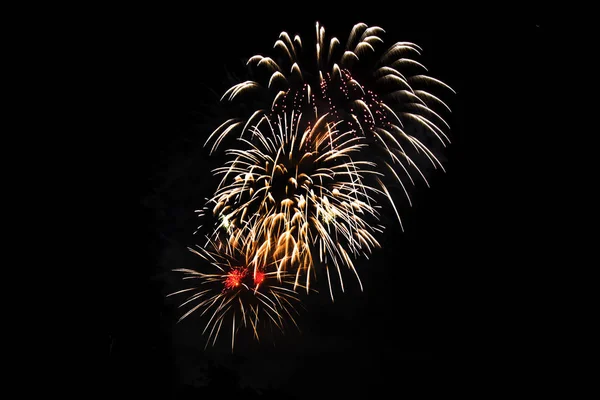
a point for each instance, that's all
(384, 96)
(240, 293)
(297, 196)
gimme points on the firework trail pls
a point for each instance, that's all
(239, 292)
(295, 195)
(382, 95)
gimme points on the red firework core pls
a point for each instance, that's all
(234, 278)
(259, 278)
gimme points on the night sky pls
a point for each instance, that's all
(411, 314)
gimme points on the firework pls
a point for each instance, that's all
(300, 194)
(239, 292)
(383, 95)
(297, 196)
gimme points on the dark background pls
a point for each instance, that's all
(422, 289)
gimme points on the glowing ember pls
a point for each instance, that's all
(259, 278)
(234, 278)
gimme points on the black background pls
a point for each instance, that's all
(423, 289)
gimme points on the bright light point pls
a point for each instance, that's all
(259, 278)
(234, 278)
(225, 222)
